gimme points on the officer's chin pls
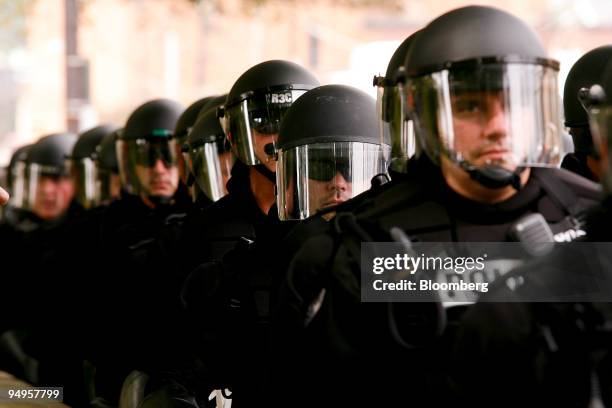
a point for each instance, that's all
(48, 214)
(162, 191)
(493, 159)
(270, 165)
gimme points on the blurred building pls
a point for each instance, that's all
(130, 51)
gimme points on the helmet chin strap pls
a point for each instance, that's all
(262, 169)
(159, 200)
(494, 177)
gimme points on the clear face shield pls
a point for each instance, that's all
(253, 123)
(181, 163)
(107, 186)
(148, 166)
(50, 191)
(313, 177)
(210, 163)
(489, 115)
(83, 173)
(600, 120)
(394, 124)
(19, 186)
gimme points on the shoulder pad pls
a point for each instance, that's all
(581, 186)
(397, 195)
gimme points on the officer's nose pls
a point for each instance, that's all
(47, 186)
(159, 166)
(496, 125)
(338, 182)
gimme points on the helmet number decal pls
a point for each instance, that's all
(285, 97)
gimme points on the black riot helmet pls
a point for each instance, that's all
(328, 150)
(147, 140)
(393, 123)
(106, 152)
(208, 154)
(46, 163)
(49, 153)
(188, 118)
(82, 163)
(181, 130)
(215, 102)
(16, 177)
(587, 71)
(479, 72)
(255, 106)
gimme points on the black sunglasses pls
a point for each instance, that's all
(326, 170)
(266, 125)
(154, 152)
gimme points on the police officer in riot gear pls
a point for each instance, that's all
(255, 106)
(207, 155)
(44, 196)
(471, 143)
(49, 195)
(206, 158)
(554, 350)
(394, 126)
(50, 188)
(44, 350)
(147, 154)
(149, 176)
(82, 163)
(328, 151)
(483, 97)
(250, 118)
(208, 162)
(584, 73)
(183, 126)
(391, 109)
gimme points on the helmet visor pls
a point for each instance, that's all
(394, 126)
(313, 177)
(19, 186)
(148, 166)
(107, 186)
(254, 122)
(497, 114)
(211, 165)
(83, 172)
